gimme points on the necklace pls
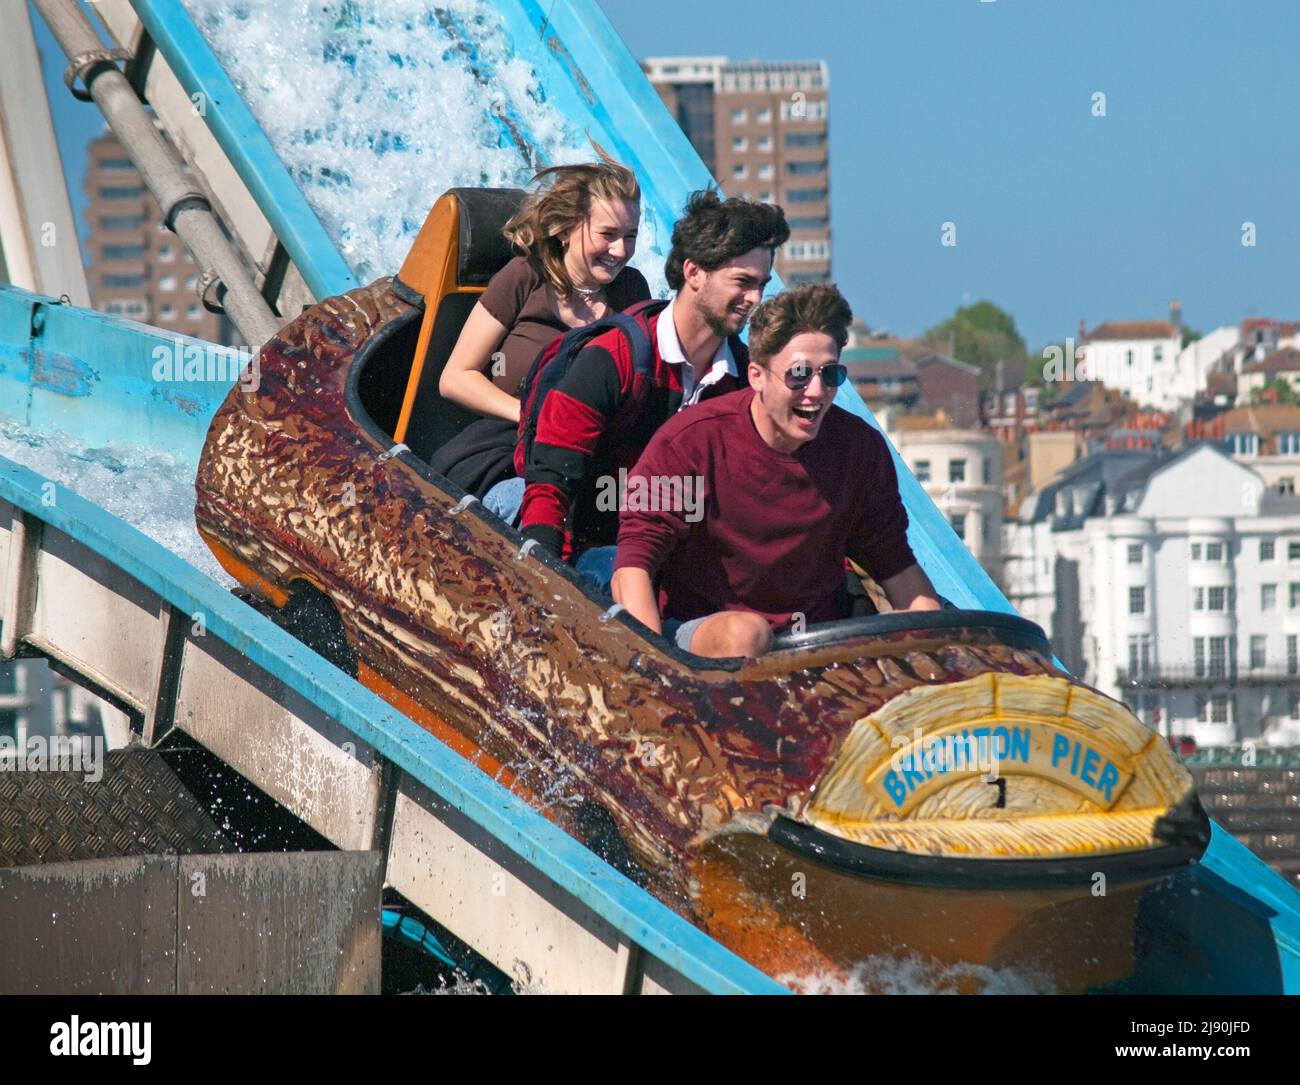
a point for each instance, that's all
(588, 292)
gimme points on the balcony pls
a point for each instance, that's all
(1188, 676)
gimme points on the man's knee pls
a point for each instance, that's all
(733, 633)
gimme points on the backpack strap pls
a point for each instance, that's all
(553, 361)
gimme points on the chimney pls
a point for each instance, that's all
(1083, 330)
(1176, 316)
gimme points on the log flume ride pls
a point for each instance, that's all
(924, 782)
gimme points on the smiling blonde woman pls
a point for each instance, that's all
(574, 236)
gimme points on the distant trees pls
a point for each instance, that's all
(1278, 390)
(982, 335)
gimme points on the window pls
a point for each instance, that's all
(956, 470)
(1286, 486)
(1218, 657)
(763, 116)
(125, 281)
(805, 139)
(807, 250)
(815, 222)
(1198, 598)
(167, 282)
(1139, 655)
(1267, 596)
(1196, 551)
(765, 171)
(1217, 599)
(1294, 601)
(1293, 551)
(1292, 658)
(1128, 357)
(765, 197)
(1135, 553)
(121, 192)
(986, 472)
(1137, 600)
(1288, 444)
(806, 111)
(1294, 698)
(806, 169)
(1266, 549)
(192, 311)
(739, 143)
(806, 195)
(740, 171)
(739, 116)
(135, 308)
(121, 222)
(1198, 656)
(1220, 708)
(115, 164)
(1258, 651)
(167, 311)
(192, 283)
(922, 470)
(1157, 353)
(123, 252)
(958, 521)
(1214, 551)
(764, 144)
(1202, 707)
(166, 254)
(1243, 444)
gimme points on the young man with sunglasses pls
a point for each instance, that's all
(792, 485)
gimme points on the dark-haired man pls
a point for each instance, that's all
(599, 417)
(791, 486)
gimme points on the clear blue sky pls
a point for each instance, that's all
(980, 114)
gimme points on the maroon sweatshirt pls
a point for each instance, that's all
(775, 526)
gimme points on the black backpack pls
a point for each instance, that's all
(553, 363)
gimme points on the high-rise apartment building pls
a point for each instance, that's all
(139, 268)
(762, 129)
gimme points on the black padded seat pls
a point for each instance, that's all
(481, 252)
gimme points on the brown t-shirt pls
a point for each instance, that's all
(518, 298)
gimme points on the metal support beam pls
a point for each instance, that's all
(186, 210)
(39, 249)
(19, 582)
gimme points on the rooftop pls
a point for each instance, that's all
(1132, 329)
(1286, 360)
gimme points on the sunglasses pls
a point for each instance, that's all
(800, 375)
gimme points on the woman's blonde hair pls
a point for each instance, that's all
(563, 202)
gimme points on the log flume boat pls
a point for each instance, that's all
(929, 784)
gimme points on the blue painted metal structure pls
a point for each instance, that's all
(91, 375)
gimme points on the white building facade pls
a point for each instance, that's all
(1178, 592)
(961, 471)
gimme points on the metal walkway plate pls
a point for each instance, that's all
(138, 807)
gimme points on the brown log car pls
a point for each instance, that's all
(926, 782)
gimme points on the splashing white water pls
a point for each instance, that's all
(152, 491)
(912, 974)
(377, 107)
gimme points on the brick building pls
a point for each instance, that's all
(762, 129)
(137, 267)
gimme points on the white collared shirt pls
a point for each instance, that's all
(670, 350)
